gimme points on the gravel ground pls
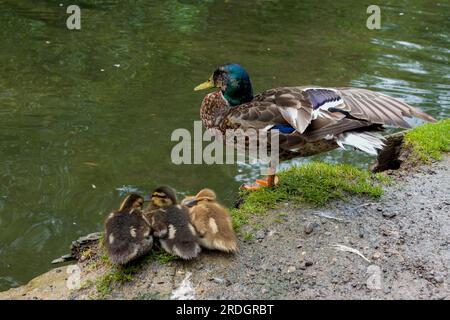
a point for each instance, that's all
(403, 237)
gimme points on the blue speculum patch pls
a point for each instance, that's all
(319, 97)
(283, 128)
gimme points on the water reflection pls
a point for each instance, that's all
(86, 116)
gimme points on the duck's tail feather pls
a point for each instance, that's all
(368, 142)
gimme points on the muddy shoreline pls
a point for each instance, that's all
(402, 242)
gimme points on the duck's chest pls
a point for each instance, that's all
(213, 110)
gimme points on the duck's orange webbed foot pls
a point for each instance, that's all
(269, 182)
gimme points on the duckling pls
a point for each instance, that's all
(127, 232)
(212, 221)
(170, 223)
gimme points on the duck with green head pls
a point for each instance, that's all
(309, 119)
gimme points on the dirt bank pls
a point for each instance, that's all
(404, 237)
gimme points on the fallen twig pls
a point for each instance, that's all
(366, 204)
(324, 215)
(341, 247)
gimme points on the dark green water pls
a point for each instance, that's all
(59, 110)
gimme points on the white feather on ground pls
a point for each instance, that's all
(341, 247)
(185, 291)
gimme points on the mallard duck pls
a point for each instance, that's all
(212, 221)
(171, 224)
(310, 119)
(127, 233)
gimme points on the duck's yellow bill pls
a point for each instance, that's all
(205, 85)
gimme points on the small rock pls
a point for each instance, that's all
(376, 255)
(291, 269)
(387, 290)
(308, 263)
(309, 228)
(264, 290)
(379, 209)
(260, 235)
(439, 279)
(374, 280)
(299, 246)
(389, 214)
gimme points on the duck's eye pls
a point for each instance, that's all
(219, 75)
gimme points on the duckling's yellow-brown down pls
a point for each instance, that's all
(212, 221)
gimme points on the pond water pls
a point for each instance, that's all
(86, 116)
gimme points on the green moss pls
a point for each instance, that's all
(314, 183)
(118, 275)
(279, 218)
(429, 141)
(247, 236)
(161, 256)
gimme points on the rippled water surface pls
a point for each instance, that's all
(86, 116)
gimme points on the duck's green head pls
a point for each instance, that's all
(233, 81)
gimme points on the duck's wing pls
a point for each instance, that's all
(379, 108)
(275, 107)
(302, 107)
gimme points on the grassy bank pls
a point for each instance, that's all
(314, 183)
(429, 141)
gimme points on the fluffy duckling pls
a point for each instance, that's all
(212, 221)
(127, 233)
(170, 223)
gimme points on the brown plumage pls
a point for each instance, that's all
(127, 233)
(171, 224)
(212, 221)
(317, 119)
